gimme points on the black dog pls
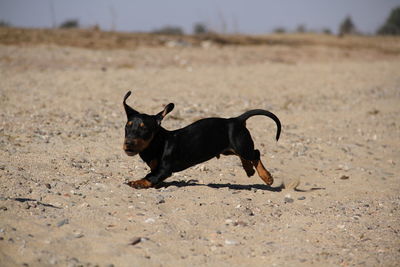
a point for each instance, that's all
(172, 151)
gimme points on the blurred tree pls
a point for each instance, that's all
(392, 24)
(200, 28)
(70, 23)
(280, 30)
(327, 31)
(170, 30)
(301, 28)
(4, 24)
(347, 27)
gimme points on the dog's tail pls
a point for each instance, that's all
(255, 112)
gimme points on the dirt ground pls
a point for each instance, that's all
(63, 200)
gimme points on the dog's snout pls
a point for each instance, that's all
(131, 142)
(132, 146)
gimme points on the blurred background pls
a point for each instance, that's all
(179, 16)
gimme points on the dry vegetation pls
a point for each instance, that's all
(96, 39)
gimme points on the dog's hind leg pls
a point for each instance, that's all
(254, 159)
(243, 145)
(263, 172)
(248, 167)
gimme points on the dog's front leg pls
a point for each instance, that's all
(152, 178)
(142, 183)
(159, 172)
(159, 175)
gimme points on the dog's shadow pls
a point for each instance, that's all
(264, 187)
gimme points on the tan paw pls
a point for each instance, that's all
(138, 184)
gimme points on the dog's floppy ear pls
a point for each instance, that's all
(168, 108)
(129, 111)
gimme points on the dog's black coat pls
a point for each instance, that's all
(173, 151)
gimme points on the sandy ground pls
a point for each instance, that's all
(63, 200)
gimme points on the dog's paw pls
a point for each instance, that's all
(139, 184)
(270, 181)
(267, 178)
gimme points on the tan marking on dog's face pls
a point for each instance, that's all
(130, 123)
(136, 145)
(141, 124)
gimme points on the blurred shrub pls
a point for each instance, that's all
(327, 31)
(301, 28)
(170, 30)
(69, 24)
(4, 24)
(200, 28)
(392, 24)
(347, 27)
(280, 30)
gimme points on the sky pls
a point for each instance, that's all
(224, 16)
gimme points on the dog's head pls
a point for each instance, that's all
(141, 128)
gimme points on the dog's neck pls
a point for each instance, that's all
(156, 145)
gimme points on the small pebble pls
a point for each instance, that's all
(231, 242)
(78, 235)
(135, 241)
(228, 221)
(249, 212)
(288, 200)
(160, 199)
(62, 222)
